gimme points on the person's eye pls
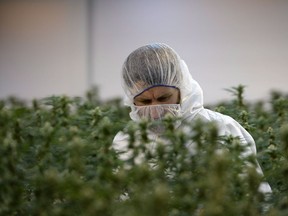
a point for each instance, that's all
(145, 101)
(163, 99)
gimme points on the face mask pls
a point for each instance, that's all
(156, 113)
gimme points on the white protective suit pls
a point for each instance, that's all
(159, 65)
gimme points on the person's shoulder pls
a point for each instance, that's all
(217, 117)
(229, 126)
(226, 124)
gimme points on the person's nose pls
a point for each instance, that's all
(155, 113)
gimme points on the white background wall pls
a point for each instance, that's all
(44, 48)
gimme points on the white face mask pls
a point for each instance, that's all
(156, 113)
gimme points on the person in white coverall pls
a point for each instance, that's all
(157, 81)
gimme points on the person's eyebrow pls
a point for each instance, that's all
(141, 97)
(142, 100)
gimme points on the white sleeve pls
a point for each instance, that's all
(235, 129)
(120, 145)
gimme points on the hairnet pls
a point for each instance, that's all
(151, 65)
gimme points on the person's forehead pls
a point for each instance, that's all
(163, 89)
(158, 90)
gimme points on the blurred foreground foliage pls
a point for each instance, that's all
(56, 159)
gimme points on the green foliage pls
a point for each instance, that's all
(56, 159)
